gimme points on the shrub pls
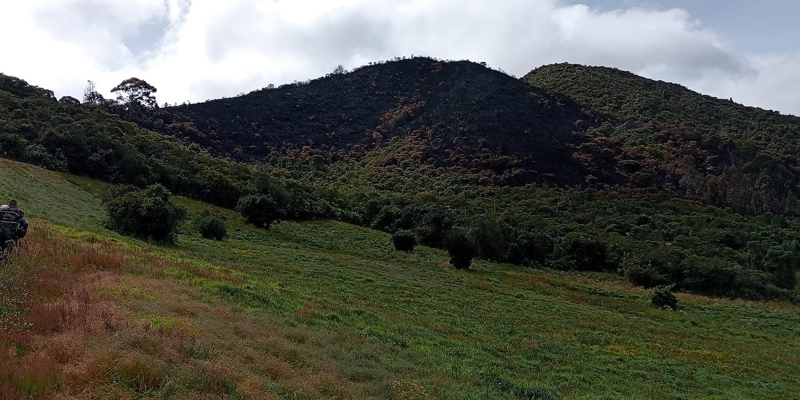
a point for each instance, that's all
(582, 251)
(387, 218)
(218, 189)
(663, 297)
(211, 225)
(782, 263)
(404, 240)
(643, 276)
(258, 210)
(487, 235)
(528, 248)
(657, 266)
(461, 250)
(147, 213)
(433, 226)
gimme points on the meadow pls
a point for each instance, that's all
(329, 310)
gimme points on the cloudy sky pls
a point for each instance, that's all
(200, 49)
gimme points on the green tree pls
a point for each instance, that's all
(148, 213)
(211, 225)
(782, 263)
(404, 240)
(258, 210)
(137, 95)
(461, 250)
(663, 297)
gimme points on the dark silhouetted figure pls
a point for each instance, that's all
(13, 225)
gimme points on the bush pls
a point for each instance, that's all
(433, 226)
(147, 213)
(643, 276)
(663, 297)
(782, 263)
(528, 248)
(655, 267)
(211, 225)
(489, 239)
(404, 240)
(582, 251)
(387, 218)
(461, 250)
(258, 210)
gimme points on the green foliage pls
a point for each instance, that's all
(259, 210)
(488, 237)
(147, 213)
(461, 249)
(662, 297)
(432, 226)
(387, 218)
(211, 225)
(668, 136)
(583, 252)
(85, 140)
(783, 262)
(528, 247)
(651, 237)
(334, 290)
(404, 240)
(656, 266)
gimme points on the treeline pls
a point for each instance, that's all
(651, 241)
(651, 238)
(85, 140)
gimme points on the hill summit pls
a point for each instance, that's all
(448, 113)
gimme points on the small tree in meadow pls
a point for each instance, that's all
(211, 225)
(663, 297)
(404, 240)
(147, 213)
(259, 210)
(461, 250)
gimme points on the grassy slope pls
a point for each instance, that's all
(324, 309)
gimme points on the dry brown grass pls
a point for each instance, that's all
(88, 328)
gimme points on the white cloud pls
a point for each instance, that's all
(773, 83)
(194, 50)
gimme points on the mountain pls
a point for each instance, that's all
(633, 98)
(450, 114)
(563, 125)
(719, 151)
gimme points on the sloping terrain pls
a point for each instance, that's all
(457, 114)
(82, 139)
(634, 98)
(621, 130)
(643, 234)
(720, 151)
(328, 310)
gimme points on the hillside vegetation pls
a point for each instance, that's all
(456, 114)
(85, 140)
(329, 310)
(719, 151)
(647, 235)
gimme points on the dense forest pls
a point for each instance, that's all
(517, 170)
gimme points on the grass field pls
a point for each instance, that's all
(329, 310)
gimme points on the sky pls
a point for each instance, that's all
(193, 50)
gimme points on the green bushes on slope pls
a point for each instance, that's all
(148, 213)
